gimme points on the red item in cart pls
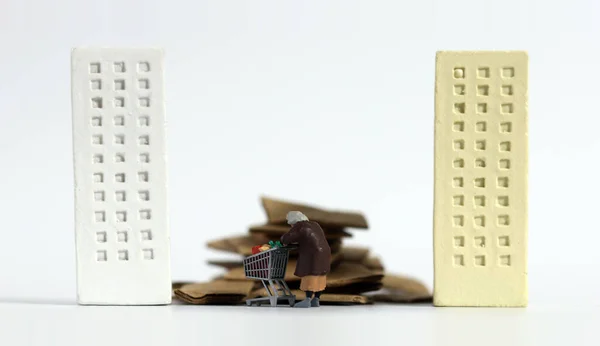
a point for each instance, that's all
(256, 249)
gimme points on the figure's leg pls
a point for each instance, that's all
(306, 287)
(314, 303)
(306, 302)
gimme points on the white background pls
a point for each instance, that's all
(329, 102)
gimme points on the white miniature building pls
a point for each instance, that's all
(480, 218)
(121, 224)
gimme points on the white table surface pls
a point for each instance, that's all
(562, 311)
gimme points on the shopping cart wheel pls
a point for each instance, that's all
(249, 303)
(292, 301)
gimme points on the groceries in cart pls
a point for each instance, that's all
(264, 247)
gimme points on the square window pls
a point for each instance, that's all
(148, 254)
(120, 84)
(505, 260)
(459, 89)
(479, 182)
(507, 90)
(96, 121)
(119, 67)
(95, 67)
(97, 102)
(503, 241)
(483, 90)
(101, 255)
(505, 146)
(480, 163)
(479, 221)
(459, 126)
(99, 196)
(144, 140)
(120, 139)
(144, 120)
(120, 177)
(458, 220)
(143, 66)
(479, 201)
(458, 163)
(481, 126)
(100, 216)
(98, 178)
(459, 241)
(144, 84)
(506, 108)
(144, 195)
(98, 158)
(479, 241)
(508, 72)
(506, 127)
(457, 182)
(458, 260)
(480, 144)
(144, 102)
(144, 158)
(119, 158)
(459, 144)
(483, 72)
(121, 216)
(96, 84)
(459, 108)
(504, 164)
(123, 255)
(481, 108)
(120, 196)
(119, 120)
(503, 220)
(97, 139)
(101, 237)
(146, 234)
(122, 237)
(459, 72)
(143, 177)
(480, 261)
(502, 201)
(119, 102)
(145, 214)
(458, 201)
(503, 182)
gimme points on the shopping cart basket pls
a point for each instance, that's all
(269, 267)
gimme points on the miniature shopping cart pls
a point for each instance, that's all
(269, 267)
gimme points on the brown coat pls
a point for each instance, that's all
(314, 256)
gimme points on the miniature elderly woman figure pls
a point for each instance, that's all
(314, 258)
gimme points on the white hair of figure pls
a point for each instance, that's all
(294, 217)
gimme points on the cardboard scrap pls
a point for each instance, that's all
(238, 244)
(347, 273)
(373, 263)
(355, 254)
(277, 211)
(276, 231)
(402, 289)
(215, 292)
(226, 264)
(326, 298)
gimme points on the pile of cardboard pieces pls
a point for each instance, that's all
(356, 277)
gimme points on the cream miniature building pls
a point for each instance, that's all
(481, 154)
(121, 226)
